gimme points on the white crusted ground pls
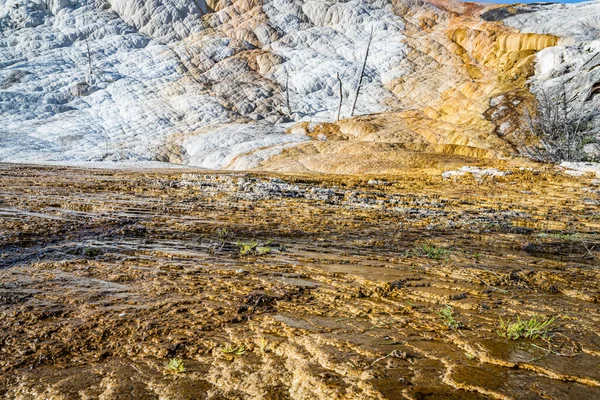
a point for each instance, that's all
(152, 73)
(581, 168)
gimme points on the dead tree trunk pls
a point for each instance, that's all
(287, 93)
(89, 56)
(362, 72)
(339, 111)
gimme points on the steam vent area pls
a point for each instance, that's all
(299, 199)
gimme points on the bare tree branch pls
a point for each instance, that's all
(562, 124)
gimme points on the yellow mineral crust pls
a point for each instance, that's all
(463, 98)
(461, 66)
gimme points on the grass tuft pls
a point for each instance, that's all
(262, 250)
(534, 328)
(233, 349)
(253, 248)
(434, 252)
(224, 234)
(91, 251)
(247, 248)
(446, 313)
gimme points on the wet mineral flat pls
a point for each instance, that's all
(297, 286)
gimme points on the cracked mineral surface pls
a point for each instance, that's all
(191, 207)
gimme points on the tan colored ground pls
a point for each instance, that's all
(105, 276)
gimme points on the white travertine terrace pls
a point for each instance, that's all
(203, 82)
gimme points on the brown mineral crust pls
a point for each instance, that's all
(106, 275)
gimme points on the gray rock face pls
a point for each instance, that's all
(572, 66)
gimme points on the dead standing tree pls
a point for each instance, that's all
(287, 93)
(284, 92)
(89, 57)
(362, 72)
(339, 110)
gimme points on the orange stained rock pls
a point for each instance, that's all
(457, 65)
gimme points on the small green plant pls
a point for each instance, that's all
(262, 250)
(533, 328)
(224, 234)
(247, 248)
(434, 252)
(91, 251)
(560, 236)
(446, 313)
(175, 366)
(253, 248)
(263, 344)
(233, 349)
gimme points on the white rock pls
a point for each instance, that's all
(592, 150)
(477, 172)
(147, 81)
(235, 146)
(581, 168)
